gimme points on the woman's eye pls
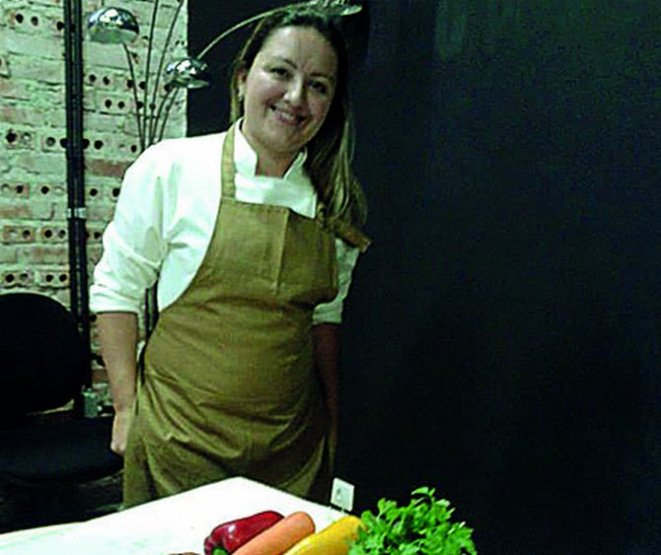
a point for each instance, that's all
(319, 87)
(280, 71)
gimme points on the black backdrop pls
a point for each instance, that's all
(501, 342)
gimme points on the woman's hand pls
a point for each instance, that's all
(118, 336)
(120, 431)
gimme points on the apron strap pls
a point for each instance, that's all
(349, 234)
(228, 189)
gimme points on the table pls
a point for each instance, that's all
(174, 524)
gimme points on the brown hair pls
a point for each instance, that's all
(328, 162)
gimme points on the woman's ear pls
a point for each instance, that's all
(241, 84)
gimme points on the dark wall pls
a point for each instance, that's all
(502, 338)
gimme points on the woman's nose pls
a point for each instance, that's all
(296, 92)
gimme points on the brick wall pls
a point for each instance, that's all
(33, 198)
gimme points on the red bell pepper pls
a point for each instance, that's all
(226, 538)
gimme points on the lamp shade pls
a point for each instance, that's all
(188, 73)
(337, 7)
(112, 26)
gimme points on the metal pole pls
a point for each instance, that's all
(76, 211)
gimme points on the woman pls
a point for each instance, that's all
(252, 236)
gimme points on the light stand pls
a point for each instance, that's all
(76, 211)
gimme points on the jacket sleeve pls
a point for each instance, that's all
(331, 313)
(134, 241)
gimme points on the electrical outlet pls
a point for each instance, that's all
(342, 494)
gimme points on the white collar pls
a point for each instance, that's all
(245, 157)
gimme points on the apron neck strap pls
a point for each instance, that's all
(228, 171)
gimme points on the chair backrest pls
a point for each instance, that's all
(41, 355)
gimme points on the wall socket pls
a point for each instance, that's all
(342, 494)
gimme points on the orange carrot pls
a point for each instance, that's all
(279, 537)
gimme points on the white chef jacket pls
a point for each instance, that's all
(166, 213)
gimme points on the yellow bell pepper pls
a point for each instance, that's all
(335, 539)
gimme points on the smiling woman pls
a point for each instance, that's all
(253, 234)
(287, 93)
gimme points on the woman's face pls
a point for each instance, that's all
(288, 91)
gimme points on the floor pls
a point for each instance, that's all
(22, 508)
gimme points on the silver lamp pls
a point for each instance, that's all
(111, 25)
(187, 73)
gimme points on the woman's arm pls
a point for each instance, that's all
(326, 335)
(326, 349)
(118, 336)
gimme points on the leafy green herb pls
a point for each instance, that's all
(423, 526)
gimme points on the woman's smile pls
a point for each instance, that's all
(288, 117)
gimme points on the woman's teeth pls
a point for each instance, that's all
(288, 117)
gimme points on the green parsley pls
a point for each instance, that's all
(423, 526)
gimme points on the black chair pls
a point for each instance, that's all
(42, 368)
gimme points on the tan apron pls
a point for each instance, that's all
(229, 386)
